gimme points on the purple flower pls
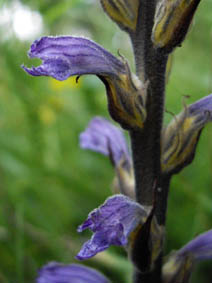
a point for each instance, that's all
(112, 224)
(67, 56)
(180, 264)
(200, 247)
(180, 137)
(203, 108)
(103, 137)
(75, 273)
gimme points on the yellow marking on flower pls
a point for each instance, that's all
(177, 268)
(172, 19)
(127, 101)
(179, 142)
(67, 84)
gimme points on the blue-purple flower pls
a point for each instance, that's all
(69, 273)
(67, 56)
(180, 264)
(103, 137)
(200, 247)
(113, 223)
(180, 137)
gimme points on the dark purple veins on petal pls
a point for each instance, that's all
(68, 56)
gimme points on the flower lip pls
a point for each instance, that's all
(112, 224)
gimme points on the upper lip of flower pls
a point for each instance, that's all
(77, 56)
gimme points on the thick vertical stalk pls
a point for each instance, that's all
(152, 277)
(161, 199)
(151, 67)
(146, 143)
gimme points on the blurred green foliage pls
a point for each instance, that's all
(48, 185)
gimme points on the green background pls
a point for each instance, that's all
(48, 184)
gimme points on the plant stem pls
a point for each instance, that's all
(151, 187)
(154, 276)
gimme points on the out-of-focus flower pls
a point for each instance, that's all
(113, 223)
(75, 273)
(69, 56)
(122, 12)
(200, 247)
(180, 137)
(180, 264)
(172, 20)
(103, 137)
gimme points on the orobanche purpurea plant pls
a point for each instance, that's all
(135, 218)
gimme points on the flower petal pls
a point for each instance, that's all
(180, 138)
(112, 224)
(75, 273)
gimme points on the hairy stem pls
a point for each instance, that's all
(151, 187)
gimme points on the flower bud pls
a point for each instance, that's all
(172, 20)
(123, 12)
